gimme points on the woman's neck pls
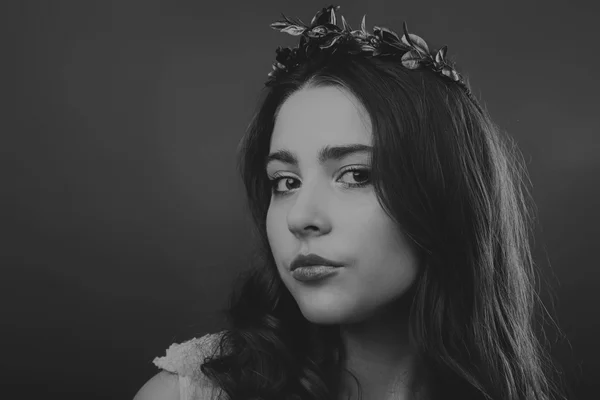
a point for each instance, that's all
(379, 354)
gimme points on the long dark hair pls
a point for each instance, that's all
(457, 187)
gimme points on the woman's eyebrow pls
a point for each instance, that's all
(326, 153)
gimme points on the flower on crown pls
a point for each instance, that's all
(324, 33)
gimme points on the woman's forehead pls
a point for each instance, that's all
(328, 114)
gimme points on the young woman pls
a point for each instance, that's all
(393, 220)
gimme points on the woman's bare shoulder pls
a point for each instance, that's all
(162, 386)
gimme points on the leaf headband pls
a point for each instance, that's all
(323, 33)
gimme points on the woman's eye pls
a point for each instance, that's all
(360, 176)
(285, 179)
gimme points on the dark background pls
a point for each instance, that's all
(123, 217)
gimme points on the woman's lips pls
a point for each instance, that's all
(314, 272)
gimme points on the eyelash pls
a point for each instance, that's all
(276, 178)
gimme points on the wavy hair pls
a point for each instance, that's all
(457, 186)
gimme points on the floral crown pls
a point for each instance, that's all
(323, 33)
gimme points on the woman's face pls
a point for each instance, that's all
(318, 211)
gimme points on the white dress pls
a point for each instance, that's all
(185, 360)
